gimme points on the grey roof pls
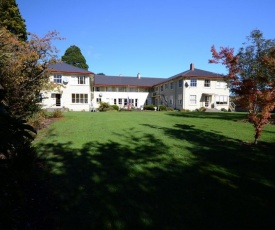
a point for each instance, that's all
(126, 81)
(64, 67)
(196, 73)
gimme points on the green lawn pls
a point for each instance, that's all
(154, 170)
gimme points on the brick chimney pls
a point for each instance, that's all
(192, 66)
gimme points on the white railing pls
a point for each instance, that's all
(232, 106)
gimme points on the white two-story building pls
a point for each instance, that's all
(82, 90)
(73, 91)
(192, 89)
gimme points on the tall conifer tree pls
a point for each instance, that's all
(73, 56)
(11, 19)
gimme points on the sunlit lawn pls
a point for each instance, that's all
(154, 170)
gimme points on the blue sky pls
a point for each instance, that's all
(158, 38)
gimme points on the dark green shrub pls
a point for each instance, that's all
(224, 110)
(115, 107)
(162, 108)
(104, 106)
(170, 109)
(149, 107)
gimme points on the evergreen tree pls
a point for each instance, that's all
(11, 19)
(73, 56)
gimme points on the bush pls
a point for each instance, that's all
(115, 107)
(201, 109)
(104, 106)
(169, 109)
(224, 110)
(57, 113)
(162, 108)
(149, 107)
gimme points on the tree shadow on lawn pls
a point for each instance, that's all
(234, 116)
(223, 185)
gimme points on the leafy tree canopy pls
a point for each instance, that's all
(73, 56)
(11, 19)
(23, 74)
(23, 70)
(251, 76)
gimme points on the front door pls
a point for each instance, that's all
(58, 99)
(206, 101)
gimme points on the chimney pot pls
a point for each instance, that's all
(138, 75)
(192, 66)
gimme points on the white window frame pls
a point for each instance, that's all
(81, 80)
(221, 84)
(193, 82)
(207, 83)
(193, 99)
(79, 98)
(57, 78)
(221, 99)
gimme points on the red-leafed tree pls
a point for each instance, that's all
(251, 77)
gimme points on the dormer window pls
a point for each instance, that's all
(57, 79)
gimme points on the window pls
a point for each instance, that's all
(221, 100)
(57, 78)
(206, 83)
(80, 98)
(180, 99)
(171, 101)
(171, 85)
(220, 84)
(161, 88)
(166, 86)
(156, 89)
(97, 89)
(180, 83)
(193, 83)
(120, 101)
(115, 101)
(193, 99)
(125, 101)
(81, 80)
(98, 100)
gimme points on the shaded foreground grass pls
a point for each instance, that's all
(154, 171)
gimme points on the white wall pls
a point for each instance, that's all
(66, 91)
(110, 96)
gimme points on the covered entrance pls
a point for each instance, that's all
(207, 100)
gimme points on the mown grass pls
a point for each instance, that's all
(154, 170)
